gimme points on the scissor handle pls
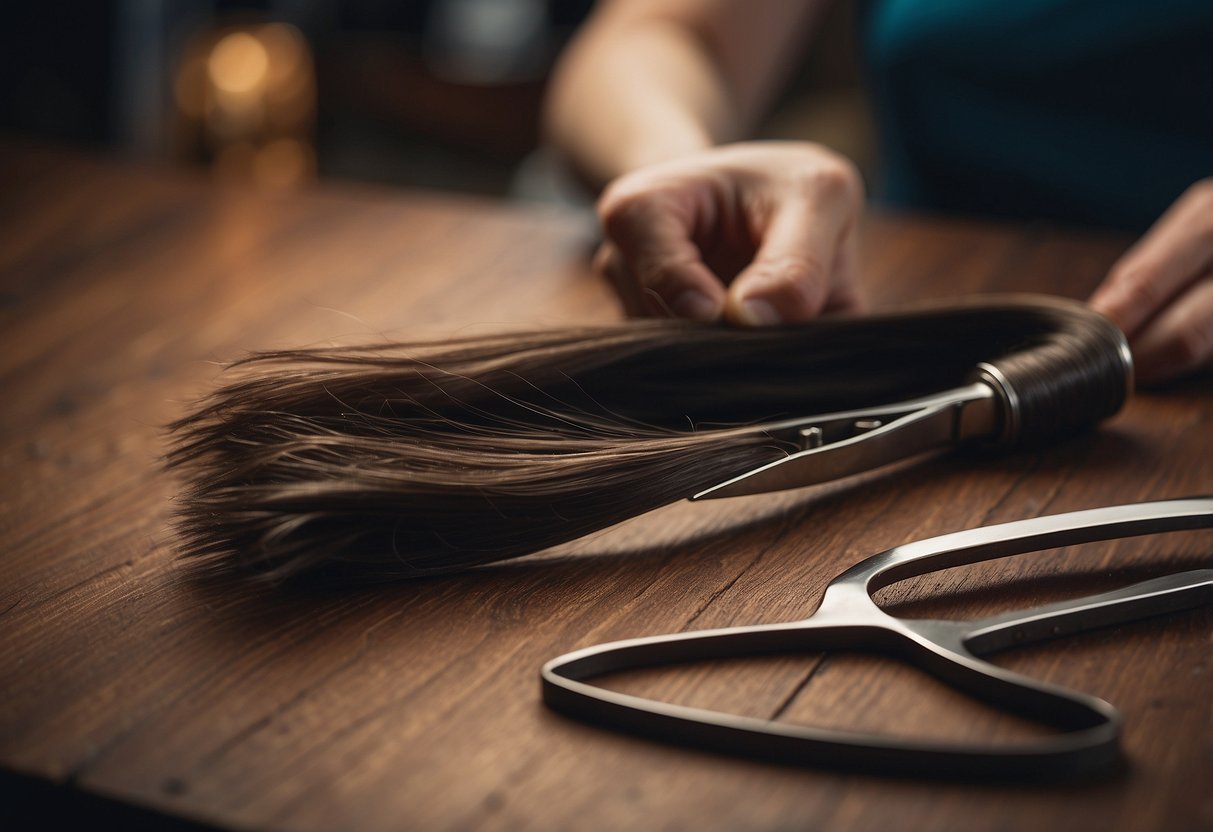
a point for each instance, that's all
(1089, 727)
(849, 619)
(1015, 538)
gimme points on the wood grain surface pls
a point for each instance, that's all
(127, 678)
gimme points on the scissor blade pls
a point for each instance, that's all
(871, 438)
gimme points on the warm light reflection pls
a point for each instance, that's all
(238, 64)
(248, 95)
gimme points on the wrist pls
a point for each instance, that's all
(674, 141)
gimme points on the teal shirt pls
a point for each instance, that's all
(1095, 112)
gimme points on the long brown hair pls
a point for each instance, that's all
(412, 458)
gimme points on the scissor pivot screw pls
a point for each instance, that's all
(813, 437)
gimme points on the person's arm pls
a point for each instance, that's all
(1161, 292)
(646, 81)
(644, 99)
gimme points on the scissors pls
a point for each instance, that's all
(848, 618)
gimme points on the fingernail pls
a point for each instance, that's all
(758, 312)
(695, 305)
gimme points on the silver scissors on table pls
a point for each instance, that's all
(848, 618)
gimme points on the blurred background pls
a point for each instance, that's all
(441, 94)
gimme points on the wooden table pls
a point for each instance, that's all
(128, 688)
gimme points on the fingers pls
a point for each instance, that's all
(640, 301)
(1161, 292)
(651, 260)
(1179, 339)
(1165, 262)
(847, 295)
(804, 265)
(608, 262)
(781, 216)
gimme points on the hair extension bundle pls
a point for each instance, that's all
(409, 459)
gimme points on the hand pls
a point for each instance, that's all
(1161, 292)
(756, 233)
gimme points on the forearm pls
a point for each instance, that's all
(633, 93)
(651, 81)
